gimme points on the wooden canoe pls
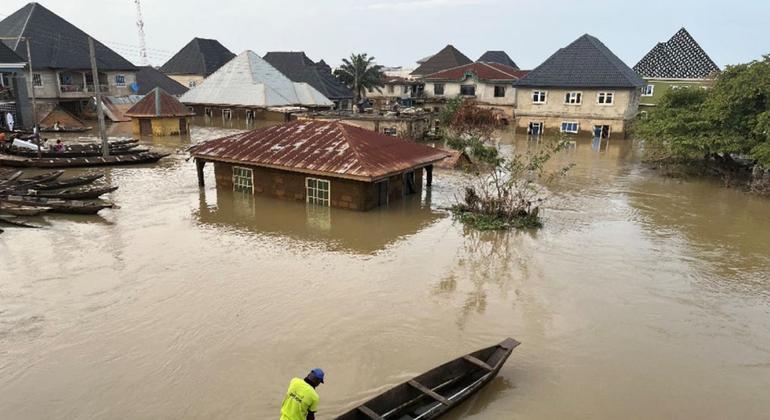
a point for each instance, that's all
(437, 391)
(63, 183)
(73, 194)
(72, 153)
(21, 210)
(82, 162)
(59, 206)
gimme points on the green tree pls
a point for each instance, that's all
(360, 72)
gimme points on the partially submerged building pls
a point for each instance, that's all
(322, 163)
(249, 88)
(13, 89)
(407, 125)
(159, 114)
(299, 68)
(196, 61)
(148, 78)
(61, 64)
(678, 62)
(582, 88)
(489, 84)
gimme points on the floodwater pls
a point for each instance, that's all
(642, 297)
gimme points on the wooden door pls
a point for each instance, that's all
(145, 127)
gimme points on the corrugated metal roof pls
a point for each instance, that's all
(321, 147)
(158, 103)
(249, 81)
(483, 71)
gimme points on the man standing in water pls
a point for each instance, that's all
(301, 402)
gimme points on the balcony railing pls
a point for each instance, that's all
(83, 88)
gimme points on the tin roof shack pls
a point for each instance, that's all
(678, 62)
(159, 114)
(61, 61)
(412, 126)
(196, 61)
(582, 87)
(489, 84)
(324, 163)
(249, 88)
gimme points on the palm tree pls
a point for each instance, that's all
(359, 73)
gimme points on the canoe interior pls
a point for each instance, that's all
(454, 381)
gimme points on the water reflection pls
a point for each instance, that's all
(330, 228)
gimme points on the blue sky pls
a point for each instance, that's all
(398, 32)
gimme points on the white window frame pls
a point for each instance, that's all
(573, 98)
(312, 191)
(118, 83)
(575, 123)
(250, 115)
(229, 114)
(243, 179)
(648, 90)
(39, 77)
(494, 91)
(539, 97)
(606, 95)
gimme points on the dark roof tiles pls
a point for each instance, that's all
(149, 78)
(200, 56)
(586, 63)
(7, 56)
(500, 57)
(681, 57)
(445, 59)
(299, 68)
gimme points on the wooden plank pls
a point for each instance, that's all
(369, 412)
(427, 391)
(477, 362)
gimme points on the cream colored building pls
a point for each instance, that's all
(581, 89)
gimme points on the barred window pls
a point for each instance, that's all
(120, 80)
(318, 191)
(243, 179)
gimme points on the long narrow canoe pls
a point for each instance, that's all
(80, 162)
(64, 183)
(21, 210)
(73, 194)
(87, 152)
(57, 205)
(437, 391)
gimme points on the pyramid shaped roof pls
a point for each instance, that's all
(500, 57)
(158, 103)
(299, 68)
(586, 63)
(319, 147)
(149, 78)
(681, 57)
(445, 59)
(54, 42)
(200, 56)
(248, 80)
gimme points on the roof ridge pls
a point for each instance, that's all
(613, 59)
(353, 146)
(495, 68)
(24, 27)
(251, 75)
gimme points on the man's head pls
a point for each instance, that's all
(315, 377)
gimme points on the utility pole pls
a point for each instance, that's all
(99, 110)
(140, 29)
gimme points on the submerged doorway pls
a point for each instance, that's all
(602, 131)
(535, 128)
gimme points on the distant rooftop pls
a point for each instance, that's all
(681, 57)
(500, 57)
(447, 58)
(200, 57)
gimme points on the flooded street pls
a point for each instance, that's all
(642, 297)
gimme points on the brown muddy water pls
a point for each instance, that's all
(642, 297)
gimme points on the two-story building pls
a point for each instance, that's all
(582, 88)
(678, 62)
(13, 90)
(61, 63)
(489, 84)
(196, 61)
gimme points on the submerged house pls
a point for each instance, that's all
(323, 163)
(148, 78)
(196, 61)
(13, 89)
(249, 88)
(499, 57)
(489, 84)
(159, 114)
(582, 88)
(61, 64)
(678, 62)
(299, 68)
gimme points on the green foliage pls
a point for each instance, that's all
(733, 117)
(468, 127)
(447, 114)
(487, 222)
(360, 72)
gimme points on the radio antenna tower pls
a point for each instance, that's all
(140, 28)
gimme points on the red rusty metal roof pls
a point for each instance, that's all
(482, 70)
(329, 148)
(158, 103)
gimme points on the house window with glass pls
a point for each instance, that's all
(120, 80)
(605, 98)
(648, 90)
(468, 90)
(499, 91)
(570, 127)
(243, 179)
(37, 80)
(438, 89)
(192, 83)
(539, 96)
(573, 98)
(318, 191)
